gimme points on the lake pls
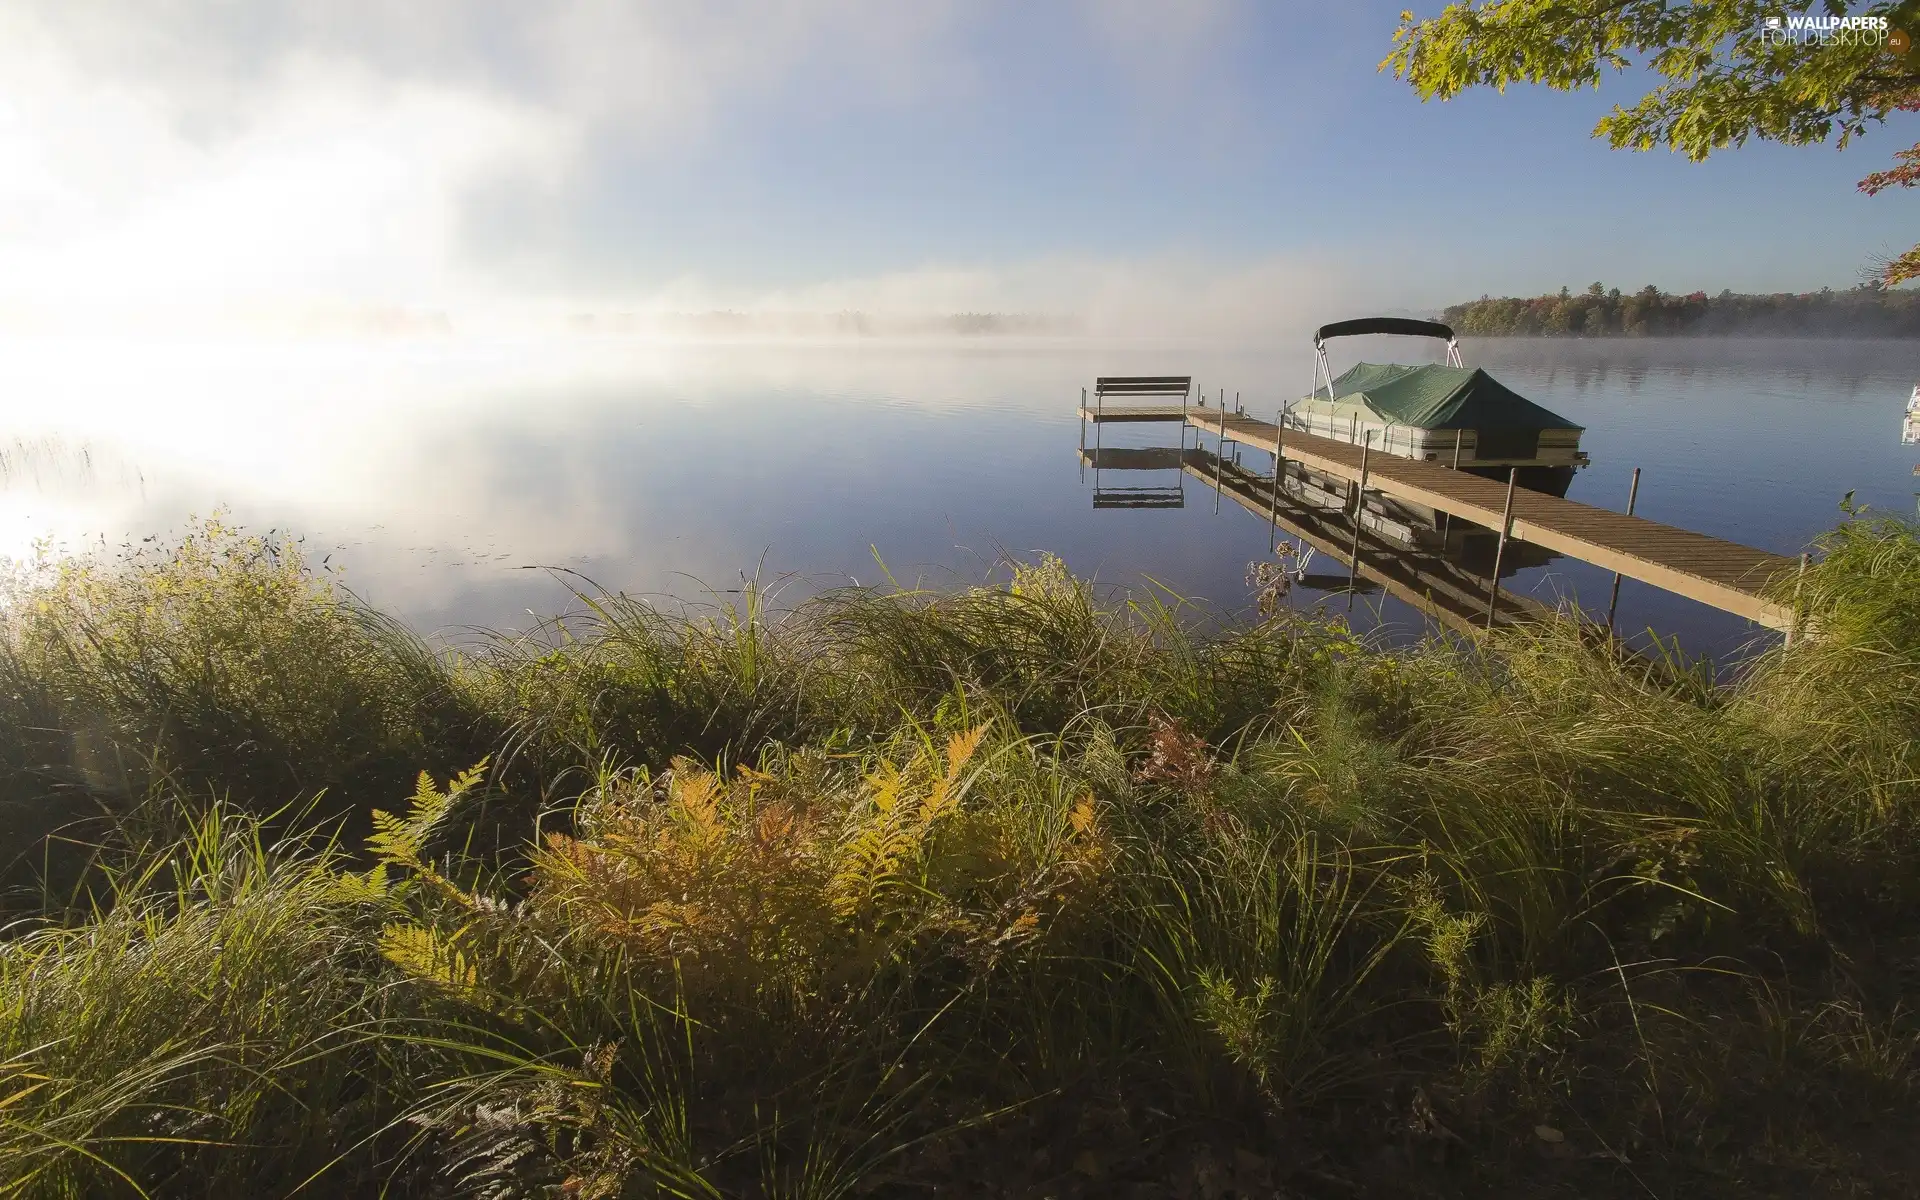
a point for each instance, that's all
(461, 483)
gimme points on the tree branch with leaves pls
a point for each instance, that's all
(1724, 81)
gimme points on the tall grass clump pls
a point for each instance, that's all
(207, 1031)
(1019, 890)
(221, 664)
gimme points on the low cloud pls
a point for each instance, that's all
(290, 166)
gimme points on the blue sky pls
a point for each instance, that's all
(1280, 137)
(1244, 158)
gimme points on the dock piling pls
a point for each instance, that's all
(1083, 435)
(1279, 478)
(1793, 626)
(1500, 550)
(1220, 452)
(1633, 493)
(1446, 519)
(1359, 506)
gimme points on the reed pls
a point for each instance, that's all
(1019, 888)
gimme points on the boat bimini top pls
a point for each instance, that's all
(1401, 326)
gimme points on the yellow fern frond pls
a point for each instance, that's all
(351, 887)
(870, 863)
(852, 883)
(468, 779)
(392, 841)
(1083, 817)
(425, 793)
(886, 783)
(401, 841)
(663, 919)
(960, 748)
(698, 795)
(427, 956)
(946, 789)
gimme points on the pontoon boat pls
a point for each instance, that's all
(1449, 413)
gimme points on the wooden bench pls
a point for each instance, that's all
(1136, 388)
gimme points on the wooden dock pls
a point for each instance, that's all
(1725, 575)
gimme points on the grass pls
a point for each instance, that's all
(1007, 891)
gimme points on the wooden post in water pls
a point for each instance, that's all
(1359, 506)
(1219, 451)
(1446, 519)
(1793, 625)
(1279, 475)
(1633, 493)
(1500, 551)
(1099, 411)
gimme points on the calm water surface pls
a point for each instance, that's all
(459, 484)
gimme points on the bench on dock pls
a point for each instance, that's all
(1135, 388)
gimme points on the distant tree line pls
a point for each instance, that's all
(1869, 310)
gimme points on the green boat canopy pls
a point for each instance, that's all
(1437, 397)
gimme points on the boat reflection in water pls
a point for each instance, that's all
(1443, 568)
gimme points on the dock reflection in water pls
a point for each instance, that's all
(1443, 569)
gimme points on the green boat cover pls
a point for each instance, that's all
(1437, 397)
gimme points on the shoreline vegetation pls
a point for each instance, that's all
(1869, 311)
(1012, 891)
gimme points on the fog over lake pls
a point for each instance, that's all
(434, 472)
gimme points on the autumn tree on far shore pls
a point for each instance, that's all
(1866, 311)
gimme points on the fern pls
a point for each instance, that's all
(402, 841)
(432, 958)
(353, 887)
(876, 858)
